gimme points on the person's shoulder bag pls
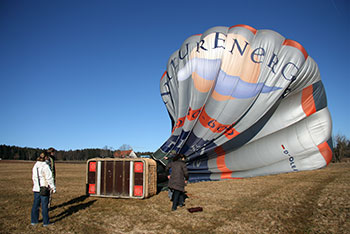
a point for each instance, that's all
(44, 191)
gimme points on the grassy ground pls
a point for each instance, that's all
(303, 202)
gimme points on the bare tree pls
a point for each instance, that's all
(341, 149)
(106, 151)
(125, 147)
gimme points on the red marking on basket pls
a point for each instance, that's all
(138, 167)
(92, 188)
(138, 190)
(92, 166)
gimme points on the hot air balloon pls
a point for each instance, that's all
(245, 102)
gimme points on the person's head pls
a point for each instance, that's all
(172, 154)
(51, 151)
(178, 157)
(42, 157)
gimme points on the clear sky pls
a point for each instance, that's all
(85, 74)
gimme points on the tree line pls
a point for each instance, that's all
(341, 150)
(25, 153)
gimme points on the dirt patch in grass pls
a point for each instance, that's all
(303, 202)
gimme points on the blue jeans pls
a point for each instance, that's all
(178, 199)
(44, 200)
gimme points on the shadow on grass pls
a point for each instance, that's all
(72, 209)
(71, 202)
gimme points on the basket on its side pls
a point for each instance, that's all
(121, 177)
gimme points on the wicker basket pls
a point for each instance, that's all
(121, 177)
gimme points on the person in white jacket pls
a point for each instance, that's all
(41, 176)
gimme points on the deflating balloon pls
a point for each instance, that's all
(245, 102)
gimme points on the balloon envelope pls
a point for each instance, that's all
(245, 102)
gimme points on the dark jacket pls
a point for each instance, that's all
(51, 162)
(178, 175)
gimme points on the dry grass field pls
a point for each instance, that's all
(303, 202)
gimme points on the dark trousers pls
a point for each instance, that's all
(44, 200)
(178, 199)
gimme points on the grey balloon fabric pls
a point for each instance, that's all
(245, 102)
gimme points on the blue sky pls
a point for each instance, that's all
(85, 74)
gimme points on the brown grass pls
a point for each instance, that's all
(303, 202)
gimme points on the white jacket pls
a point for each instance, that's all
(45, 176)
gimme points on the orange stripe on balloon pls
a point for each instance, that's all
(204, 119)
(307, 101)
(231, 133)
(220, 162)
(326, 151)
(193, 114)
(163, 75)
(216, 127)
(295, 44)
(253, 30)
(211, 123)
(179, 123)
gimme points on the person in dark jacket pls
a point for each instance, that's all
(50, 160)
(178, 179)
